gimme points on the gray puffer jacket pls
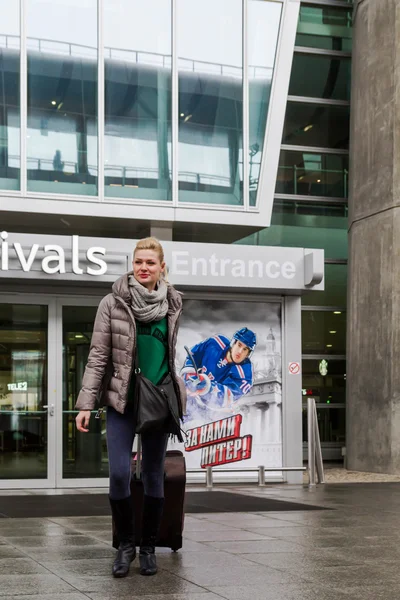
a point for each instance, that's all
(112, 351)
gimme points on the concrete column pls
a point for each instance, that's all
(373, 369)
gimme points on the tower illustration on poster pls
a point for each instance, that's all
(229, 357)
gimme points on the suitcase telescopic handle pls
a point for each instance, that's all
(138, 456)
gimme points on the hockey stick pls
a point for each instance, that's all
(191, 358)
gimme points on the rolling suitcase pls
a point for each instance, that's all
(170, 535)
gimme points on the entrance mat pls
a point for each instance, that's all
(92, 505)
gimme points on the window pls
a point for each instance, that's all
(325, 27)
(62, 96)
(209, 44)
(138, 99)
(319, 76)
(323, 332)
(9, 96)
(313, 174)
(322, 126)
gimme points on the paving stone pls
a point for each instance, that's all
(205, 595)
(21, 566)
(162, 583)
(241, 575)
(37, 584)
(265, 545)
(225, 536)
(54, 596)
(283, 591)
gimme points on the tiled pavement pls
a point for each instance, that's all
(351, 551)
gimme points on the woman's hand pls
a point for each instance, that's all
(82, 420)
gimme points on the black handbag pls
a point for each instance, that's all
(156, 405)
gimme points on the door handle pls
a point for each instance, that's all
(50, 408)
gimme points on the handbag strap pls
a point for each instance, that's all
(136, 368)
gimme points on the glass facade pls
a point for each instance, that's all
(135, 103)
(138, 111)
(10, 151)
(62, 96)
(320, 76)
(325, 27)
(318, 125)
(210, 101)
(23, 391)
(310, 173)
(131, 101)
(310, 207)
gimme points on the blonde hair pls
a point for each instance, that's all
(151, 243)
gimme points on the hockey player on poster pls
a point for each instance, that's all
(217, 373)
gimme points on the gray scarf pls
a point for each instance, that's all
(148, 306)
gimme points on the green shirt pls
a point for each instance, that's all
(152, 349)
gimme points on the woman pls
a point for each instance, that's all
(140, 317)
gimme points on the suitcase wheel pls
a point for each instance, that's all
(174, 549)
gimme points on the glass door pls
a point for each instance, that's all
(27, 392)
(82, 456)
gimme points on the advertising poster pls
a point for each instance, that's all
(229, 356)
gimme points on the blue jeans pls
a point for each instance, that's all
(120, 436)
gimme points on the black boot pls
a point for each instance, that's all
(151, 520)
(122, 511)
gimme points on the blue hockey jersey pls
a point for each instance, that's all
(229, 381)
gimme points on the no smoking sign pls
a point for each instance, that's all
(294, 368)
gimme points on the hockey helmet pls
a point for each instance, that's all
(247, 337)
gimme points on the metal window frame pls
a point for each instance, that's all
(245, 107)
(321, 101)
(100, 101)
(321, 52)
(314, 149)
(311, 199)
(277, 109)
(23, 99)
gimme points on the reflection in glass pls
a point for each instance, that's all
(288, 207)
(84, 455)
(329, 391)
(297, 230)
(62, 96)
(316, 125)
(325, 27)
(263, 29)
(138, 98)
(313, 174)
(332, 429)
(9, 96)
(210, 101)
(323, 332)
(23, 391)
(316, 76)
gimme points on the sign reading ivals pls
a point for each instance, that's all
(55, 261)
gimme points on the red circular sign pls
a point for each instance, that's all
(294, 368)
